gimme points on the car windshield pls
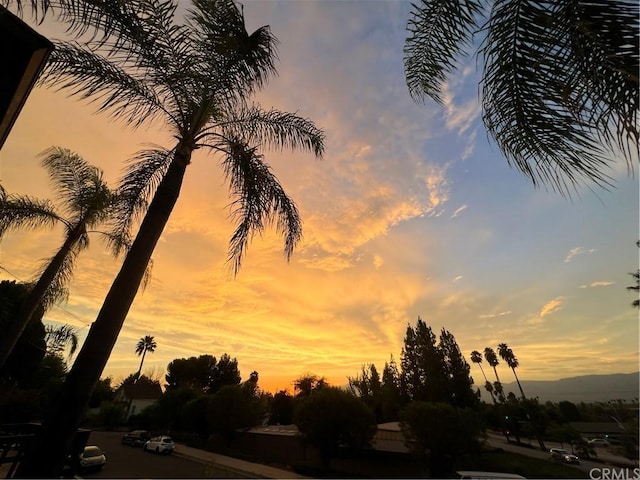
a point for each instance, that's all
(92, 452)
(167, 440)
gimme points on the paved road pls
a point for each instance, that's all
(124, 461)
(587, 466)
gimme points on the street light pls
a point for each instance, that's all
(23, 53)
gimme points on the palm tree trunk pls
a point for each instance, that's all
(53, 444)
(487, 381)
(144, 352)
(33, 300)
(518, 382)
(496, 372)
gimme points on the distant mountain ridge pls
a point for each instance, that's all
(586, 388)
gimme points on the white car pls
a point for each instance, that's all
(162, 444)
(92, 458)
(598, 442)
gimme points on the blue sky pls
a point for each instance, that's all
(412, 212)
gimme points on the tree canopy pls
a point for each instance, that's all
(331, 418)
(204, 373)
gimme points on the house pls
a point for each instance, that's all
(389, 438)
(137, 396)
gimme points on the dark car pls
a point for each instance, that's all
(136, 438)
(562, 456)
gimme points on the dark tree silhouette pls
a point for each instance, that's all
(508, 356)
(197, 78)
(476, 357)
(332, 418)
(85, 203)
(144, 345)
(492, 359)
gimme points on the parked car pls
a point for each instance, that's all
(162, 444)
(136, 438)
(599, 442)
(92, 458)
(563, 456)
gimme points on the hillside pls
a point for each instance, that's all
(587, 388)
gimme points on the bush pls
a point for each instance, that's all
(445, 431)
(331, 418)
(111, 415)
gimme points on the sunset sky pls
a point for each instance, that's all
(412, 212)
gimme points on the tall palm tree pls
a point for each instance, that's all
(85, 203)
(492, 359)
(476, 357)
(144, 345)
(559, 88)
(197, 78)
(508, 356)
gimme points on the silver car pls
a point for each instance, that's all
(162, 444)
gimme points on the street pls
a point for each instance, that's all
(124, 461)
(496, 440)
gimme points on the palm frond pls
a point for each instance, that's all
(80, 186)
(119, 243)
(91, 77)
(59, 338)
(39, 8)
(238, 61)
(71, 176)
(152, 44)
(136, 187)
(259, 199)
(438, 32)
(99, 17)
(526, 92)
(271, 128)
(26, 213)
(604, 41)
(57, 290)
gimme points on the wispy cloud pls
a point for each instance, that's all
(552, 306)
(577, 251)
(597, 284)
(494, 315)
(459, 210)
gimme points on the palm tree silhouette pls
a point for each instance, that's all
(144, 345)
(476, 357)
(492, 359)
(85, 202)
(508, 356)
(559, 91)
(60, 338)
(197, 78)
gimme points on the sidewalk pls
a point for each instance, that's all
(256, 470)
